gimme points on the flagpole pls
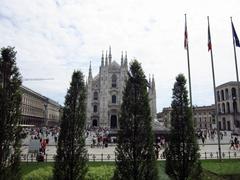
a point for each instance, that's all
(214, 90)
(236, 66)
(189, 73)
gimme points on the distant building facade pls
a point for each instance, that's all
(165, 116)
(38, 110)
(104, 93)
(203, 117)
(228, 106)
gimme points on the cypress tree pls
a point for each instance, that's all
(135, 158)
(182, 157)
(71, 158)
(10, 114)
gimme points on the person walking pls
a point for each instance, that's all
(232, 144)
(203, 140)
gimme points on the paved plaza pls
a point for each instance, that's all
(208, 150)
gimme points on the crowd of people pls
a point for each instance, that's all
(211, 134)
(234, 143)
(43, 136)
(160, 144)
(99, 136)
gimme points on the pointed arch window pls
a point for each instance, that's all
(95, 96)
(114, 99)
(114, 80)
(95, 108)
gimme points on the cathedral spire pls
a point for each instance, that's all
(149, 82)
(90, 72)
(102, 62)
(122, 59)
(110, 55)
(153, 83)
(106, 59)
(125, 61)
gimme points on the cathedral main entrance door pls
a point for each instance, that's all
(94, 123)
(113, 124)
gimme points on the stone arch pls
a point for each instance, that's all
(222, 95)
(228, 107)
(223, 108)
(219, 109)
(226, 94)
(235, 109)
(218, 96)
(234, 93)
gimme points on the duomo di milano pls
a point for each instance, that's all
(104, 92)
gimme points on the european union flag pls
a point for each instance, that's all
(235, 36)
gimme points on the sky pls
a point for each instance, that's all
(55, 37)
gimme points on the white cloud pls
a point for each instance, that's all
(55, 37)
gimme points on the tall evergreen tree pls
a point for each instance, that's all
(135, 158)
(71, 158)
(10, 114)
(182, 157)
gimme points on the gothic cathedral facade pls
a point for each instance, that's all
(104, 93)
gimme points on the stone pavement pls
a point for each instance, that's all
(98, 153)
(209, 150)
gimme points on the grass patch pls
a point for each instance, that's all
(27, 168)
(161, 171)
(226, 167)
(212, 170)
(102, 172)
(44, 171)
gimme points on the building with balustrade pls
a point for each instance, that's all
(203, 117)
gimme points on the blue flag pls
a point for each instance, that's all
(235, 36)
